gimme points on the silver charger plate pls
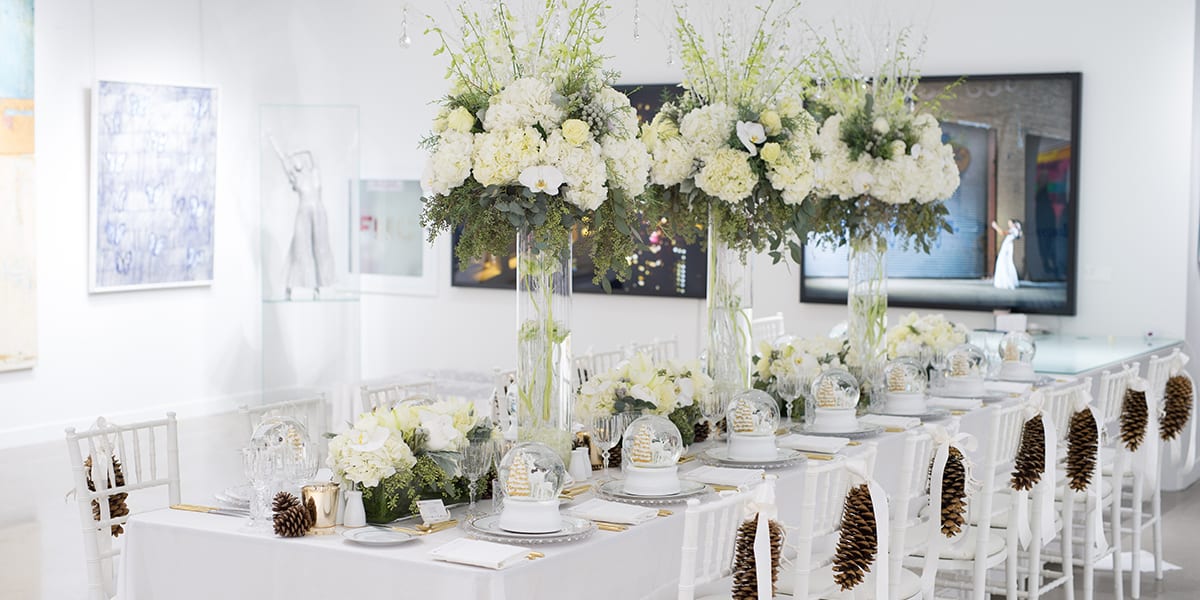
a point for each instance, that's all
(930, 414)
(487, 528)
(986, 396)
(864, 431)
(719, 456)
(377, 536)
(615, 490)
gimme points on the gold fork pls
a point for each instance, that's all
(424, 529)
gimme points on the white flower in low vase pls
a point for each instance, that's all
(441, 433)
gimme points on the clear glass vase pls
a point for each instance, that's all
(729, 303)
(866, 299)
(544, 391)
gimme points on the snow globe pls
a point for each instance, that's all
(294, 456)
(906, 383)
(966, 365)
(833, 402)
(751, 421)
(1017, 350)
(533, 477)
(650, 450)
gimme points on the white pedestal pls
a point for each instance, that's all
(530, 516)
(835, 420)
(752, 447)
(905, 403)
(651, 481)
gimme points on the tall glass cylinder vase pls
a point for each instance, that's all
(544, 392)
(866, 299)
(730, 301)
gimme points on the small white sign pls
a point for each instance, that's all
(433, 511)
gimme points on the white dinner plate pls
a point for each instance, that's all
(719, 456)
(377, 536)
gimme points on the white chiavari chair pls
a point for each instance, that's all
(504, 399)
(1158, 369)
(386, 396)
(594, 363)
(149, 456)
(709, 534)
(767, 329)
(1112, 386)
(658, 350)
(907, 514)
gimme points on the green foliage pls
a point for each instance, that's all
(397, 496)
(835, 222)
(685, 418)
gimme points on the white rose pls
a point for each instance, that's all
(442, 435)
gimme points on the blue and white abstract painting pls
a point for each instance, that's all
(154, 185)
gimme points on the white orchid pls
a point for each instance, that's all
(542, 178)
(751, 135)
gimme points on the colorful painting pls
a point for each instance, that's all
(154, 179)
(18, 272)
(16, 76)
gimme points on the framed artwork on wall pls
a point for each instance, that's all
(391, 255)
(153, 186)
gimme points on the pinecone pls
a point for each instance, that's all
(745, 575)
(857, 542)
(700, 432)
(1082, 445)
(1177, 407)
(1031, 456)
(1134, 414)
(954, 494)
(294, 521)
(283, 501)
(116, 502)
(614, 456)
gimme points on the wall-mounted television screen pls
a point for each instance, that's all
(1016, 142)
(666, 267)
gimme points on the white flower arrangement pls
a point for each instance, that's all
(921, 336)
(641, 383)
(802, 358)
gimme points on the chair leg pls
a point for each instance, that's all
(1068, 563)
(1135, 568)
(1010, 567)
(1115, 524)
(1089, 545)
(1034, 585)
(1156, 503)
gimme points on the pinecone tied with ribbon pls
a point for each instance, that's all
(116, 502)
(858, 541)
(700, 432)
(954, 493)
(292, 519)
(745, 571)
(1031, 456)
(1177, 407)
(1082, 445)
(1134, 414)
(614, 455)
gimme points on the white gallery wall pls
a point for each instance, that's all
(199, 351)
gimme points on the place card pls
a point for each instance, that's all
(433, 511)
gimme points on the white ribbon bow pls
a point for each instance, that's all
(942, 440)
(879, 506)
(764, 506)
(1043, 490)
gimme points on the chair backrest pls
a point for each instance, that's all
(1059, 403)
(582, 366)
(999, 446)
(709, 534)
(910, 497)
(767, 328)
(386, 396)
(1112, 392)
(148, 454)
(659, 350)
(1158, 370)
(504, 397)
(312, 412)
(825, 487)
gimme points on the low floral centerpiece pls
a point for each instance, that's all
(926, 338)
(671, 389)
(533, 143)
(408, 453)
(786, 369)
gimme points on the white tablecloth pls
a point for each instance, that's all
(181, 555)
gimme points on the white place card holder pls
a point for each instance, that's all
(479, 553)
(433, 511)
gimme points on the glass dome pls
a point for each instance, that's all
(752, 412)
(295, 456)
(905, 376)
(651, 441)
(1017, 346)
(966, 360)
(532, 472)
(835, 388)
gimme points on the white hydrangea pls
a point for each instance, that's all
(624, 119)
(708, 128)
(628, 163)
(450, 164)
(918, 336)
(727, 175)
(664, 386)
(673, 161)
(500, 156)
(793, 174)
(369, 453)
(582, 167)
(523, 103)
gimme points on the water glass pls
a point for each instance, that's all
(477, 458)
(258, 464)
(606, 432)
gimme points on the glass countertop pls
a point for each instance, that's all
(1076, 354)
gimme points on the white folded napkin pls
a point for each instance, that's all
(890, 421)
(954, 403)
(813, 443)
(612, 512)
(725, 475)
(1007, 387)
(479, 553)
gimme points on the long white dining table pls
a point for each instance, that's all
(186, 555)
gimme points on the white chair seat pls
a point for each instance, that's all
(963, 548)
(820, 585)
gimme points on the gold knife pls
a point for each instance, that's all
(212, 510)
